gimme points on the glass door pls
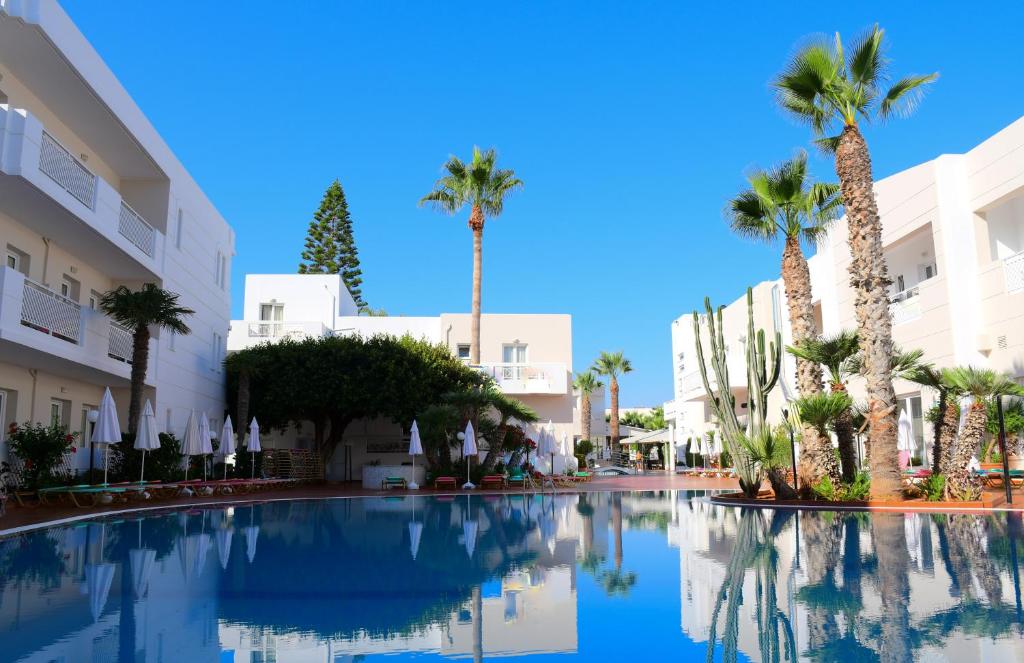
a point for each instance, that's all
(274, 315)
(513, 356)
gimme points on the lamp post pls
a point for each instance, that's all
(1002, 450)
(93, 416)
(792, 449)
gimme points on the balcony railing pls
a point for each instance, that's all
(67, 171)
(135, 229)
(905, 306)
(119, 345)
(276, 329)
(1013, 270)
(529, 378)
(46, 311)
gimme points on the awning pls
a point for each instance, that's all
(660, 436)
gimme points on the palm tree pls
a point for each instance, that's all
(586, 383)
(834, 353)
(981, 384)
(508, 408)
(946, 423)
(823, 86)
(246, 364)
(483, 186)
(138, 310)
(613, 364)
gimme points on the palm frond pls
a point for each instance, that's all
(833, 352)
(904, 96)
(586, 382)
(827, 145)
(612, 364)
(821, 410)
(866, 64)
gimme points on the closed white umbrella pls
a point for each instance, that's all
(415, 534)
(905, 436)
(415, 449)
(108, 429)
(563, 449)
(469, 528)
(98, 579)
(191, 443)
(147, 439)
(142, 561)
(227, 442)
(469, 449)
(224, 536)
(205, 439)
(251, 534)
(254, 445)
(552, 444)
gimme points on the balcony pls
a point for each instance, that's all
(905, 306)
(530, 378)
(246, 333)
(40, 329)
(46, 187)
(1013, 273)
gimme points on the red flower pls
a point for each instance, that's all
(74, 450)
(69, 438)
(13, 428)
(28, 463)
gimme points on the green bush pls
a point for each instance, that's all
(934, 488)
(824, 489)
(858, 490)
(41, 448)
(163, 464)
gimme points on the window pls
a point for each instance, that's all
(218, 351)
(86, 425)
(912, 406)
(271, 313)
(180, 229)
(57, 412)
(12, 261)
(94, 300)
(223, 272)
(17, 260)
(513, 355)
(217, 268)
(900, 284)
(462, 350)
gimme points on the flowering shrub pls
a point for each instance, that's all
(40, 448)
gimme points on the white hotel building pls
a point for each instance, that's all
(953, 235)
(92, 198)
(528, 355)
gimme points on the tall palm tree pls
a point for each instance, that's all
(981, 384)
(586, 383)
(138, 310)
(508, 409)
(824, 86)
(946, 423)
(613, 364)
(483, 186)
(834, 353)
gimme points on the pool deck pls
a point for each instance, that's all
(21, 519)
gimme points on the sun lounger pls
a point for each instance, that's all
(441, 483)
(393, 482)
(581, 477)
(516, 480)
(84, 495)
(492, 481)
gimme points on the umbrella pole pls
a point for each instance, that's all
(253, 455)
(106, 461)
(204, 467)
(188, 461)
(225, 468)
(142, 473)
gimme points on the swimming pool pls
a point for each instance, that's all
(595, 576)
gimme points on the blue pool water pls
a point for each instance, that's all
(595, 577)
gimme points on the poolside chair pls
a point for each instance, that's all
(492, 481)
(393, 482)
(441, 483)
(516, 480)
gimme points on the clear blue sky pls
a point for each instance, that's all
(631, 124)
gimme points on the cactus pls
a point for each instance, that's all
(763, 367)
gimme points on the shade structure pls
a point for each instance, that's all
(469, 449)
(142, 561)
(415, 449)
(224, 536)
(205, 439)
(147, 438)
(98, 579)
(227, 442)
(108, 428)
(415, 534)
(191, 444)
(253, 444)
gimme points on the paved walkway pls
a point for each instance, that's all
(18, 519)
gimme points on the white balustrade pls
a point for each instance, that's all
(119, 345)
(271, 329)
(528, 378)
(905, 306)
(133, 227)
(46, 311)
(1013, 271)
(67, 171)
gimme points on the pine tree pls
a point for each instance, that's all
(330, 245)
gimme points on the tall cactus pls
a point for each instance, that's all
(763, 368)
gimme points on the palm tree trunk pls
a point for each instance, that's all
(796, 278)
(242, 404)
(476, 224)
(843, 426)
(496, 449)
(869, 277)
(585, 414)
(947, 435)
(961, 484)
(617, 528)
(140, 361)
(893, 587)
(614, 422)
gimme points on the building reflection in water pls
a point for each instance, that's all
(485, 577)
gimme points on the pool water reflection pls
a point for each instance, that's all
(599, 576)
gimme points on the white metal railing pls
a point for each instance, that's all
(46, 311)
(280, 329)
(1013, 271)
(132, 226)
(63, 168)
(523, 378)
(119, 345)
(905, 306)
